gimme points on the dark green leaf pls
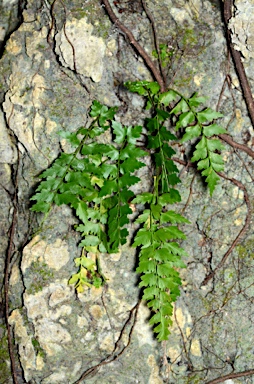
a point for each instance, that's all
(213, 129)
(119, 131)
(168, 233)
(152, 124)
(125, 195)
(196, 100)
(208, 114)
(142, 218)
(203, 164)
(170, 198)
(166, 135)
(163, 331)
(71, 187)
(108, 170)
(172, 178)
(149, 279)
(181, 106)
(71, 137)
(199, 154)
(41, 206)
(127, 180)
(150, 293)
(191, 132)
(78, 164)
(131, 165)
(216, 158)
(167, 97)
(171, 167)
(134, 133)
(173, 217)
(104, 113)
(143, 198)
(78, 177)
(66, 198)
(162, 254)
(214, 144)
(90, 240)
(56, 170)
(153, 142)
(153, 87)
(162, 115)
(89, 227)
(211, 179)
(156, 210)
(146, 266)
(175, 248)
(44, 195)
(143, 238)
(81, 211)
(136, 87)
(109, 187)
(185, 119)
(168, 152)
(201, 150)
(166, 270)
(131, 151)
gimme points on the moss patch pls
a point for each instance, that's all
(94, 12)
(246, 250)
(5, 368)
(40, 275)
(37, 347)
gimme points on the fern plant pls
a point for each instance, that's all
(95, 181)
(159, 256)
(197, 122)
(160, 253)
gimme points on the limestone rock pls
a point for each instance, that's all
(242, 27)
(79, 50)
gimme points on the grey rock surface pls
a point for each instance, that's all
(63, 56)
(10, 18)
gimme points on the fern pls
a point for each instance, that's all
(159, 257)
(95, 181)
(118, 187)
(160, 253)
(197, 123)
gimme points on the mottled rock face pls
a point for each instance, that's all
(241, 25)
(61, 58)
(76, 36)
(8, 151)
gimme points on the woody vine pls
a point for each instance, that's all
(98, 181)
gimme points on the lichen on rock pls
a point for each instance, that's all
(79, 50)
(242, 27)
